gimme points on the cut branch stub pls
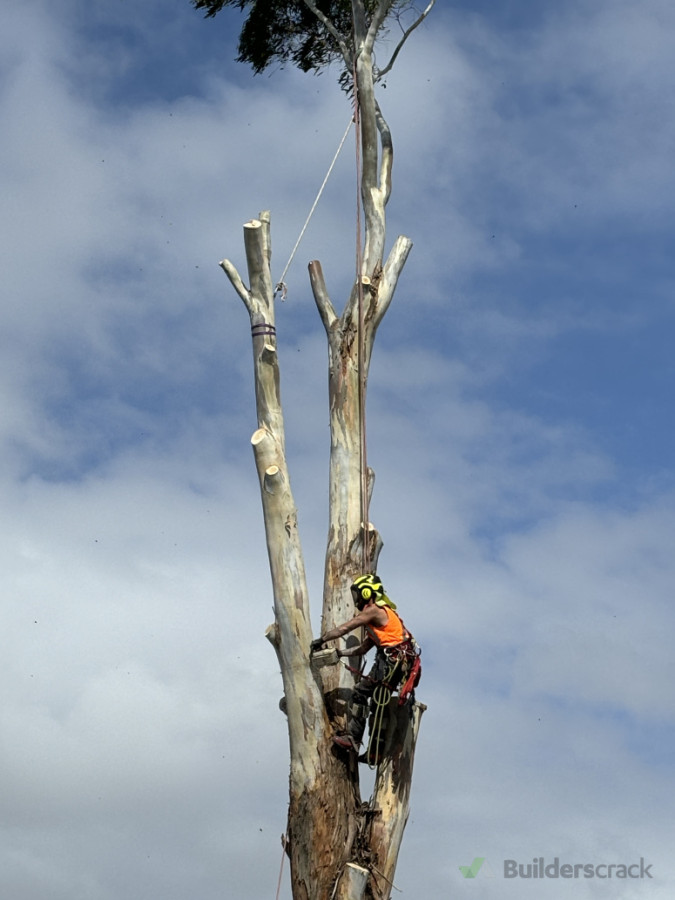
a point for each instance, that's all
(371, 551)
(271, 479)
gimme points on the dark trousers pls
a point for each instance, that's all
(383, 670)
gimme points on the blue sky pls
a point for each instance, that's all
(519, 424)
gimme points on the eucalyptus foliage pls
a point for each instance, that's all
(307, 35)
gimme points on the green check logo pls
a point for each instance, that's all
(472, 870)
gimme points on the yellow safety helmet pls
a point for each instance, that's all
(369, 587)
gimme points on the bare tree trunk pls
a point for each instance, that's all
(340, 848)
(321, 798)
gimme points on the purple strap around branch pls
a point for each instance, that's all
(263, 329)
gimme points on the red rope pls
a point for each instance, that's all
(284, 843)
(361, 347)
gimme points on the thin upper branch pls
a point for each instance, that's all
(406, 34)
(376, 22)
(332, 30)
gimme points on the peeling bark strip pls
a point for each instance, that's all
(340, 848)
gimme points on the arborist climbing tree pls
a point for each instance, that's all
(397, 661)
(340, 847)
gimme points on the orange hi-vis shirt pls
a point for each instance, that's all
(391, 634)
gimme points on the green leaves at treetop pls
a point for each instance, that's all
(285, 31)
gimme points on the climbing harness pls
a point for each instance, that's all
(281, 284)
(406, 657)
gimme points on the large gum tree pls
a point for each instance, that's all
(339, 845)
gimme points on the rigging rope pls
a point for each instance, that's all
(281, 286)
(361, 348)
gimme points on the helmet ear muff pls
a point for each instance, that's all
(366, 593)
